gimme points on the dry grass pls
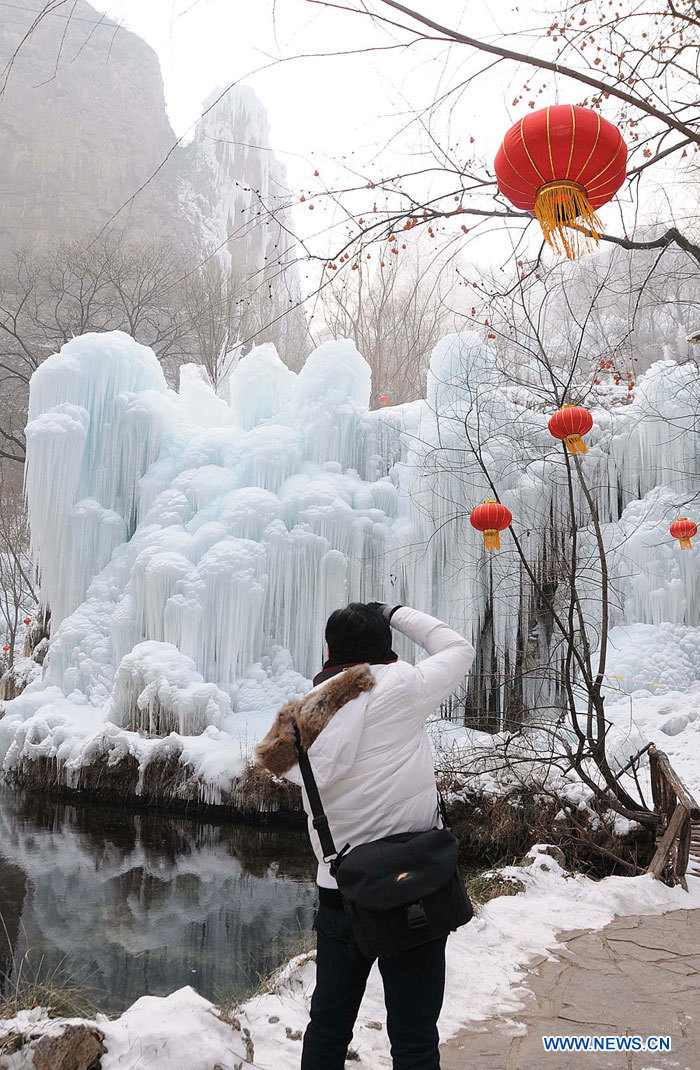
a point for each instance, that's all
(98, 781)
(498, 831)
(491, 884)
(59, 993)
(494, 831)
(298, 943)
(259, 792)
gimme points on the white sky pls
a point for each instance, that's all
(351, 116)
(340, 107)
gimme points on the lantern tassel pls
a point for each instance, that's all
(575, 444)
(557, 205)
(492, 539)
(685, 544)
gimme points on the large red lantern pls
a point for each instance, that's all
(490, 518)
(562, 164)
(684, 530)
(569, 424)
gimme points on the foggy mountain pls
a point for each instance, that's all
(83, 127)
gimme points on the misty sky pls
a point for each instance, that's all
(319, 107)
(352, 117)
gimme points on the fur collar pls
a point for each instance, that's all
(277, 751)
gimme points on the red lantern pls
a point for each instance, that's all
(27, 620)
(384, 399)
(5, 649)
(490, 518)
(684, 530)
(569, 424)
(562, 164)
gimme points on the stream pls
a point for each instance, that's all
(125, 904)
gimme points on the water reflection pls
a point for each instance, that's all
(144, 903)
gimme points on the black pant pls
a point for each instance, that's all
(414, 984)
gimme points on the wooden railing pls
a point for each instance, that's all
(679, 821)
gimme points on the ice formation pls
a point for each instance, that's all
(157, 690)
(234, 190)
(480, 436)
(223, 534)
(234, 173)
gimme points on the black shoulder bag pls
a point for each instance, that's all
(398, 892)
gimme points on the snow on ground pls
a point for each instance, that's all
(670, 720)
(486, 979)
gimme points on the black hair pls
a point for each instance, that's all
(358, 633)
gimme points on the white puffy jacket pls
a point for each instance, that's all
(373, 762)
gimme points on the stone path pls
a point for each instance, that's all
(638, 976)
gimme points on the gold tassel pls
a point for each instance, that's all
(575, 444)
(685, 544)
(557, 205)
(492, 539)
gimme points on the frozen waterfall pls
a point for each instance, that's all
(221, 534)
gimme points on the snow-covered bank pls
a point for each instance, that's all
(66, 745)
(486, 969)
(498, 765)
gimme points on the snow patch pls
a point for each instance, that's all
(487, 959)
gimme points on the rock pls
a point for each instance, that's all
(86, 137)
(536, 853)
(78, 1047)
(295, 1034)
(675, 725)
(273, 1020)
(374, 1025)
(14, 681)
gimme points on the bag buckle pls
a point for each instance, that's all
(417, 918)
(320, 822)
(337, 860)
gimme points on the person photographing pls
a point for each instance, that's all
(389, 886)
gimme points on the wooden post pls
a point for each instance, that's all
(658, 862)
(654, 774)
(678, 811)
(683, 847)
(682, 793)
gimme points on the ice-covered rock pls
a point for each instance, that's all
(226, 531)
(157, 690)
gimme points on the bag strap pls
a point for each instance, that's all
(320, 821)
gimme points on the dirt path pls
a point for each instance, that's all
(638, 976)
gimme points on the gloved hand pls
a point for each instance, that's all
(383, 609)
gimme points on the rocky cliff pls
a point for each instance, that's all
(82, 126)
(84, 134)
